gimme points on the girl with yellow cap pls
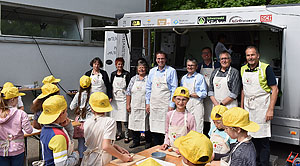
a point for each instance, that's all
(12, 121)
(220, 139)
(82, 110)
(19, 104)
(178, 122)
(99, 133)
(36, 107)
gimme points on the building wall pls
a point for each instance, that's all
(105, 8)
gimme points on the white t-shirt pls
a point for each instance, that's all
(96, 129)
(20, 102)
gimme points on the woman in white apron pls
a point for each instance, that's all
(120, 79)
(178, 122)
(136, 105)
(237, 126)
(219, 91)
(100, 80)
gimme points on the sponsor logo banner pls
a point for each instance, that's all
(211, 19)
(266, 18)
(136, 22)
(164, 21)
(238, 19)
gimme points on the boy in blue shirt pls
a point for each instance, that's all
(57, 146)
(220, 139)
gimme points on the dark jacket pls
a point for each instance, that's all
(105, 79)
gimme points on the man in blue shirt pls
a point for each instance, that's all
(196, 85)
(161, 84)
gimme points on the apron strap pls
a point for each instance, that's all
(5, 144)
(171, 118)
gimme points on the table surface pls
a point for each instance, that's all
(29, 89)
(147, 153)
(38, 131)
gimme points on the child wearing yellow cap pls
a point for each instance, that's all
(178, 122)
(20, 104)
(237, 124)
(195, 149)
(82, 110)
(50, 80)
(12, 121)
(100, 133)
(36, 107)
(57, 146)
(220, 139)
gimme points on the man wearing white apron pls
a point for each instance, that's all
(259, 96)
(225, 83)
(161, 84)
(196, 85)
(206, 68)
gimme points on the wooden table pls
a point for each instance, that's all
(33, 90)
(147, 153)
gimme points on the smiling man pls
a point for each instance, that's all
(196, 85)
(161, 84)
(225, 83)
(258, 97)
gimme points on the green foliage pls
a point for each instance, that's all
(276, 2)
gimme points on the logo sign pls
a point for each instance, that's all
(162, 22)
(211, 19)
(136, 23)
(266, 18)
(238, 19)
(175, 22)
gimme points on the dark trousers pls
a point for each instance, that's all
(17, 160)
(262, 146)
(206, 128)
(136, 137)
(158, 138)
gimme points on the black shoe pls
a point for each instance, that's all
(126, 140)
(148, 145)
(118, 137)
(143, 138)
(133, 145)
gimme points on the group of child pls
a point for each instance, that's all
(96, 144)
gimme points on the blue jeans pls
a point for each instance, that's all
(81, 147)
(17, 160)
(262, 146)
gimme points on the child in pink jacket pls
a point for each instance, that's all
(12, 121)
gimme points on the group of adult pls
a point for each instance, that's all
(145, 99)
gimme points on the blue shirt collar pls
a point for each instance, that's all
(162, 69)
(192, 75)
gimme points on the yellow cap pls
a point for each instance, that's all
(149, 162)
(195, 147)
(238, 117)
(85, 81)
(52, 107)
(181, 91)
(100, 102)
(48, 89)
(12, 92)
(219, 109)
(50, 79)
(6, 85)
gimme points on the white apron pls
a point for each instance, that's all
(221, 89)
(195, 106)
(177, 131)
(220, 145)
(159, 103)
(97, 83)
(96, 156)
(71, 143)
(138, 118)
(118, 103)
(225, 161)
(208, 105)
(256, 101)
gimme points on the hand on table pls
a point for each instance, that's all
(121, 150)
(126, 157)
(163, 147)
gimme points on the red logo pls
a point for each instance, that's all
(266, 18)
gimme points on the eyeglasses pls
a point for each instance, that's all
(191, 65)
(221, 59)
(181, 100)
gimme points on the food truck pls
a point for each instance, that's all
(275, 30)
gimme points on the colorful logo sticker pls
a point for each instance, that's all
(238, 19)
(211, 19)
(162, 22)
(175, 22)
(136, 22)
(266, 18)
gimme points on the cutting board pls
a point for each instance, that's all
(173, 153)
(136, 158)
